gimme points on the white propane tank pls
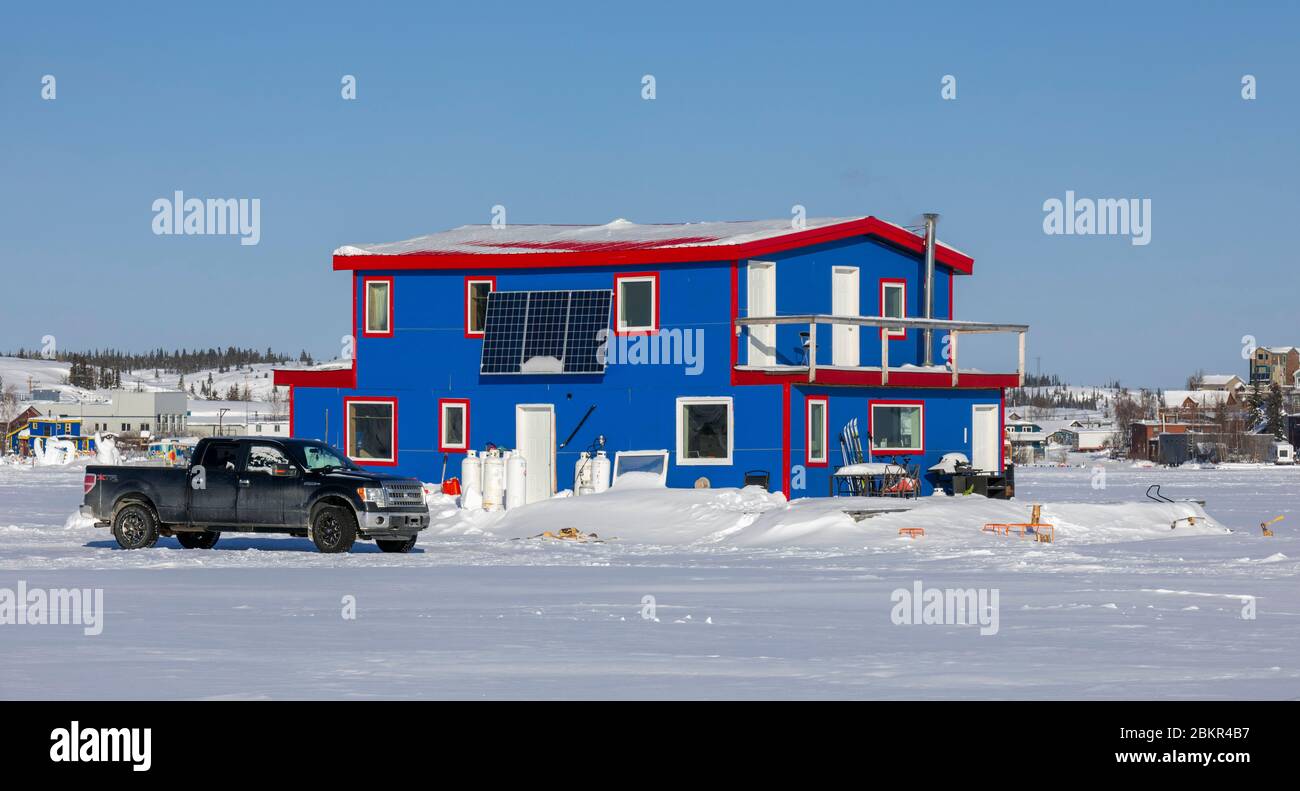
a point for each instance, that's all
(582, 474)
(600, 470)
(516, 481)
(494, 480)
(471, 472)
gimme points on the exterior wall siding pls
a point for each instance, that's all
(430, 357)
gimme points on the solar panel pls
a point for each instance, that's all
(541, 332)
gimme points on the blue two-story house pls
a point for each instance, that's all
(728, 346)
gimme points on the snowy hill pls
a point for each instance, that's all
(53, 375)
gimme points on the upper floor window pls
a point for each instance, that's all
(476, 301)
(636, 302)
(379, 307)
(893, 304)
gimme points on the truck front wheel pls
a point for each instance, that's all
(333, 529)
(135, 527)
(396, 544)
(206, 539)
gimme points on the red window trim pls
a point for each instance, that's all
(654, 278)
(469, 280)
(347, 428)
(365, 303)
(871, 416)
(899, 335)
(808, 426)
(452, 448)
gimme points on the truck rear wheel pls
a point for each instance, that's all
(206, 539)
(333, 528)
(135, 527)
(396, 544)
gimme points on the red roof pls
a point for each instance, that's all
(623, 242)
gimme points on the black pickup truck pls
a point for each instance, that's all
(257, 485)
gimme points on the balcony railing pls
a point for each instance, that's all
(955, 330)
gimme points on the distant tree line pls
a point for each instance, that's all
(179, 361)
(1048, 391)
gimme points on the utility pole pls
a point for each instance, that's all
(221, 416)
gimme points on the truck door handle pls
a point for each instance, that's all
(244, 482)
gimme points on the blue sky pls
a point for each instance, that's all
(833, 106)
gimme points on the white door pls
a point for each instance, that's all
(984, 445)
(844, 302)
(535, 440)
(761, 301)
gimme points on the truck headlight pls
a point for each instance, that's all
(373, 494)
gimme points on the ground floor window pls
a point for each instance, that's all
(705, 430)
(816, 420)
(371, 430)
(897, 426)
(453, 425)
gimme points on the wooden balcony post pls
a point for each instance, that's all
(884, 357)
(812, 351)
(1021, 370)
(952, 352)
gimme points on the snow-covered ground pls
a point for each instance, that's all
(750, 598)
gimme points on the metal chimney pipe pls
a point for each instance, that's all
(931, 220)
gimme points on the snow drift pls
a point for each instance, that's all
(754, 517)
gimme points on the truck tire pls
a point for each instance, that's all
(135, 527)
(206, 539)
(333, 528)
(396, 544)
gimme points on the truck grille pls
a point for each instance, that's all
(402, 494)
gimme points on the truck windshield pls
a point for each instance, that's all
(320, 457)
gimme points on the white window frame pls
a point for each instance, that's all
(347, 429)
(920, 429)
(470, 282)
(825, 423)
(443, 407)
(367, 284)
(684, 402)
(885, 286)
(619, 455)
(653, 326)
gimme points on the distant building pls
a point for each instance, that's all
(23, 441)
(1278, 365)
(16, 426)
(1193, 406)
(1144, 440)
(1028, 440)
(44, 395)
(1085, 440)
(131, 413)
(239, 425)
(1229, 382)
